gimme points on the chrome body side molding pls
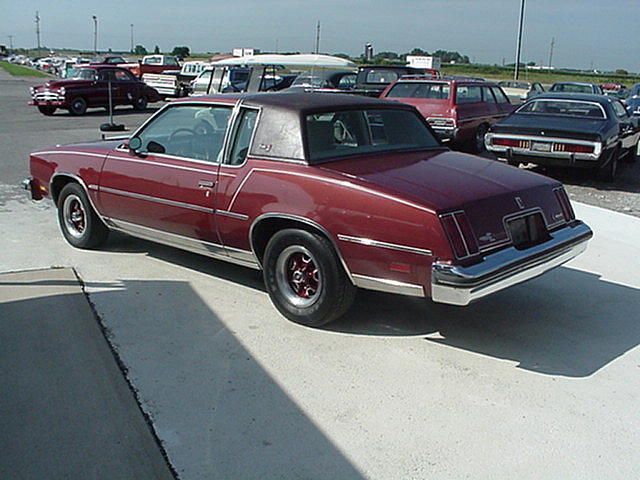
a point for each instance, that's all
(390, 246)
(389, 286)
(233, 255)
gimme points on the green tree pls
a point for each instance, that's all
(419, 52)
(140, 50)
(621, 71)
(180, 52)
(157, 49)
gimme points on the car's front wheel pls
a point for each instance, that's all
(46, 110)
(79, 223)
(78, 106)
(305, 279)
(478, 139)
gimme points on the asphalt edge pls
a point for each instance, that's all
(108, 335)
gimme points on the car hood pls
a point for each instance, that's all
(581, 127)
(56, 84)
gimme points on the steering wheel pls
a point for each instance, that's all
(184, 148)
(176, 132)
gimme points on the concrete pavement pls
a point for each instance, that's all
(66, 411)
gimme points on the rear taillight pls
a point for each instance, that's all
(511, 142)
(572, 148)
(565, 204)
(460, 235)
(441, 122)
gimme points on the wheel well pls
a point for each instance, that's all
(58, 183)
(265, 229)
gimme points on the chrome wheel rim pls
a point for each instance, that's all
(480, 133)
(78, 106)
(298, 276)
(74, 215)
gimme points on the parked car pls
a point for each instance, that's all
(324, 193)
(575, 87)
(372, 80)
(459, 111)
(175, 83)
(153, 64)
(109, 60)
(88, 87)
(333, 81)
(632, 101)
(518, 91)
(569, 130)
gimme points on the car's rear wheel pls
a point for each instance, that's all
(141, 102)
(79, 223)
(633, 154)
(78, 106)
(610, 169)
(46, 110)
(305, 279)
(478, 139)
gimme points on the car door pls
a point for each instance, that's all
(164, 190)
(128, 87)
(232, 222)
(493, 113)
(628, 132)
(505, 107)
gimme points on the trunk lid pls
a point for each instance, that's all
(584, 128)
(450, 181)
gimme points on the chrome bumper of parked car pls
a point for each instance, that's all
(458, 285)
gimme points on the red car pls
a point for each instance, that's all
(324, 193)
(461, 111)
(88, 87)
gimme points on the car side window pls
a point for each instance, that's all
(468, 94)
(123, 76)
(242, 135)
(487, 96)
(348, 81)
(621, 112)
(500, 96)
(106, 75)
(194, 132)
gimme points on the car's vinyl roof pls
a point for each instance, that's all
(585, 97)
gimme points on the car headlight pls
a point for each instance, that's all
(32, 90)
(62, 91)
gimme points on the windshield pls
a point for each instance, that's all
(357, 132)
(82, 74)
(433, 91)
(563, 107)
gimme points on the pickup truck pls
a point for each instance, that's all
(175, 83)
(152, 64)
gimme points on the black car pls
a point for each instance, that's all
(572, 130)
(334, 81)
(373, 79)
(576, 87)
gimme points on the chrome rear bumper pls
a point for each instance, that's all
(458, 285)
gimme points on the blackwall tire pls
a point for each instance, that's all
(80, 224)
(46, 110)
(78, 106)
(305, 278)
(141, 103)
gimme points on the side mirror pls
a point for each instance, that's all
(134, 144)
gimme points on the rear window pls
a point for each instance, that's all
(381, 76)
(571, 88)
(433, 91)
(356, 132)
(563, 107)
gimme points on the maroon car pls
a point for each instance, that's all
(88, 87)
(324, 193)
(460, 110)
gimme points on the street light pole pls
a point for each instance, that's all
(517, 71)
(132, 38)
(95, 34)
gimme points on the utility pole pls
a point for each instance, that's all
(519, 48)
(38, 29)
(553, 42)
(318, 37)
(95, 34)
(11, 42)
(132, 38)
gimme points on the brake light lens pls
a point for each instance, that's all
(441, 122)
(511, 142)
(460, 235)
(565, 204)
(573, 148)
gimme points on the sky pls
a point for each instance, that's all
(587, 33)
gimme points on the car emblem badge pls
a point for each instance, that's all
(488, 237)
(520, 203)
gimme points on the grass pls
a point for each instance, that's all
(21, 71)
(505, 73)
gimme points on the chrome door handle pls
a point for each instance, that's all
(205, 184)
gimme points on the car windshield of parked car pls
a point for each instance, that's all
(563, 107)
(383, 76)
(82, 74)
(571, 88)
(432, 91)
(195, 132)
(357, 132)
